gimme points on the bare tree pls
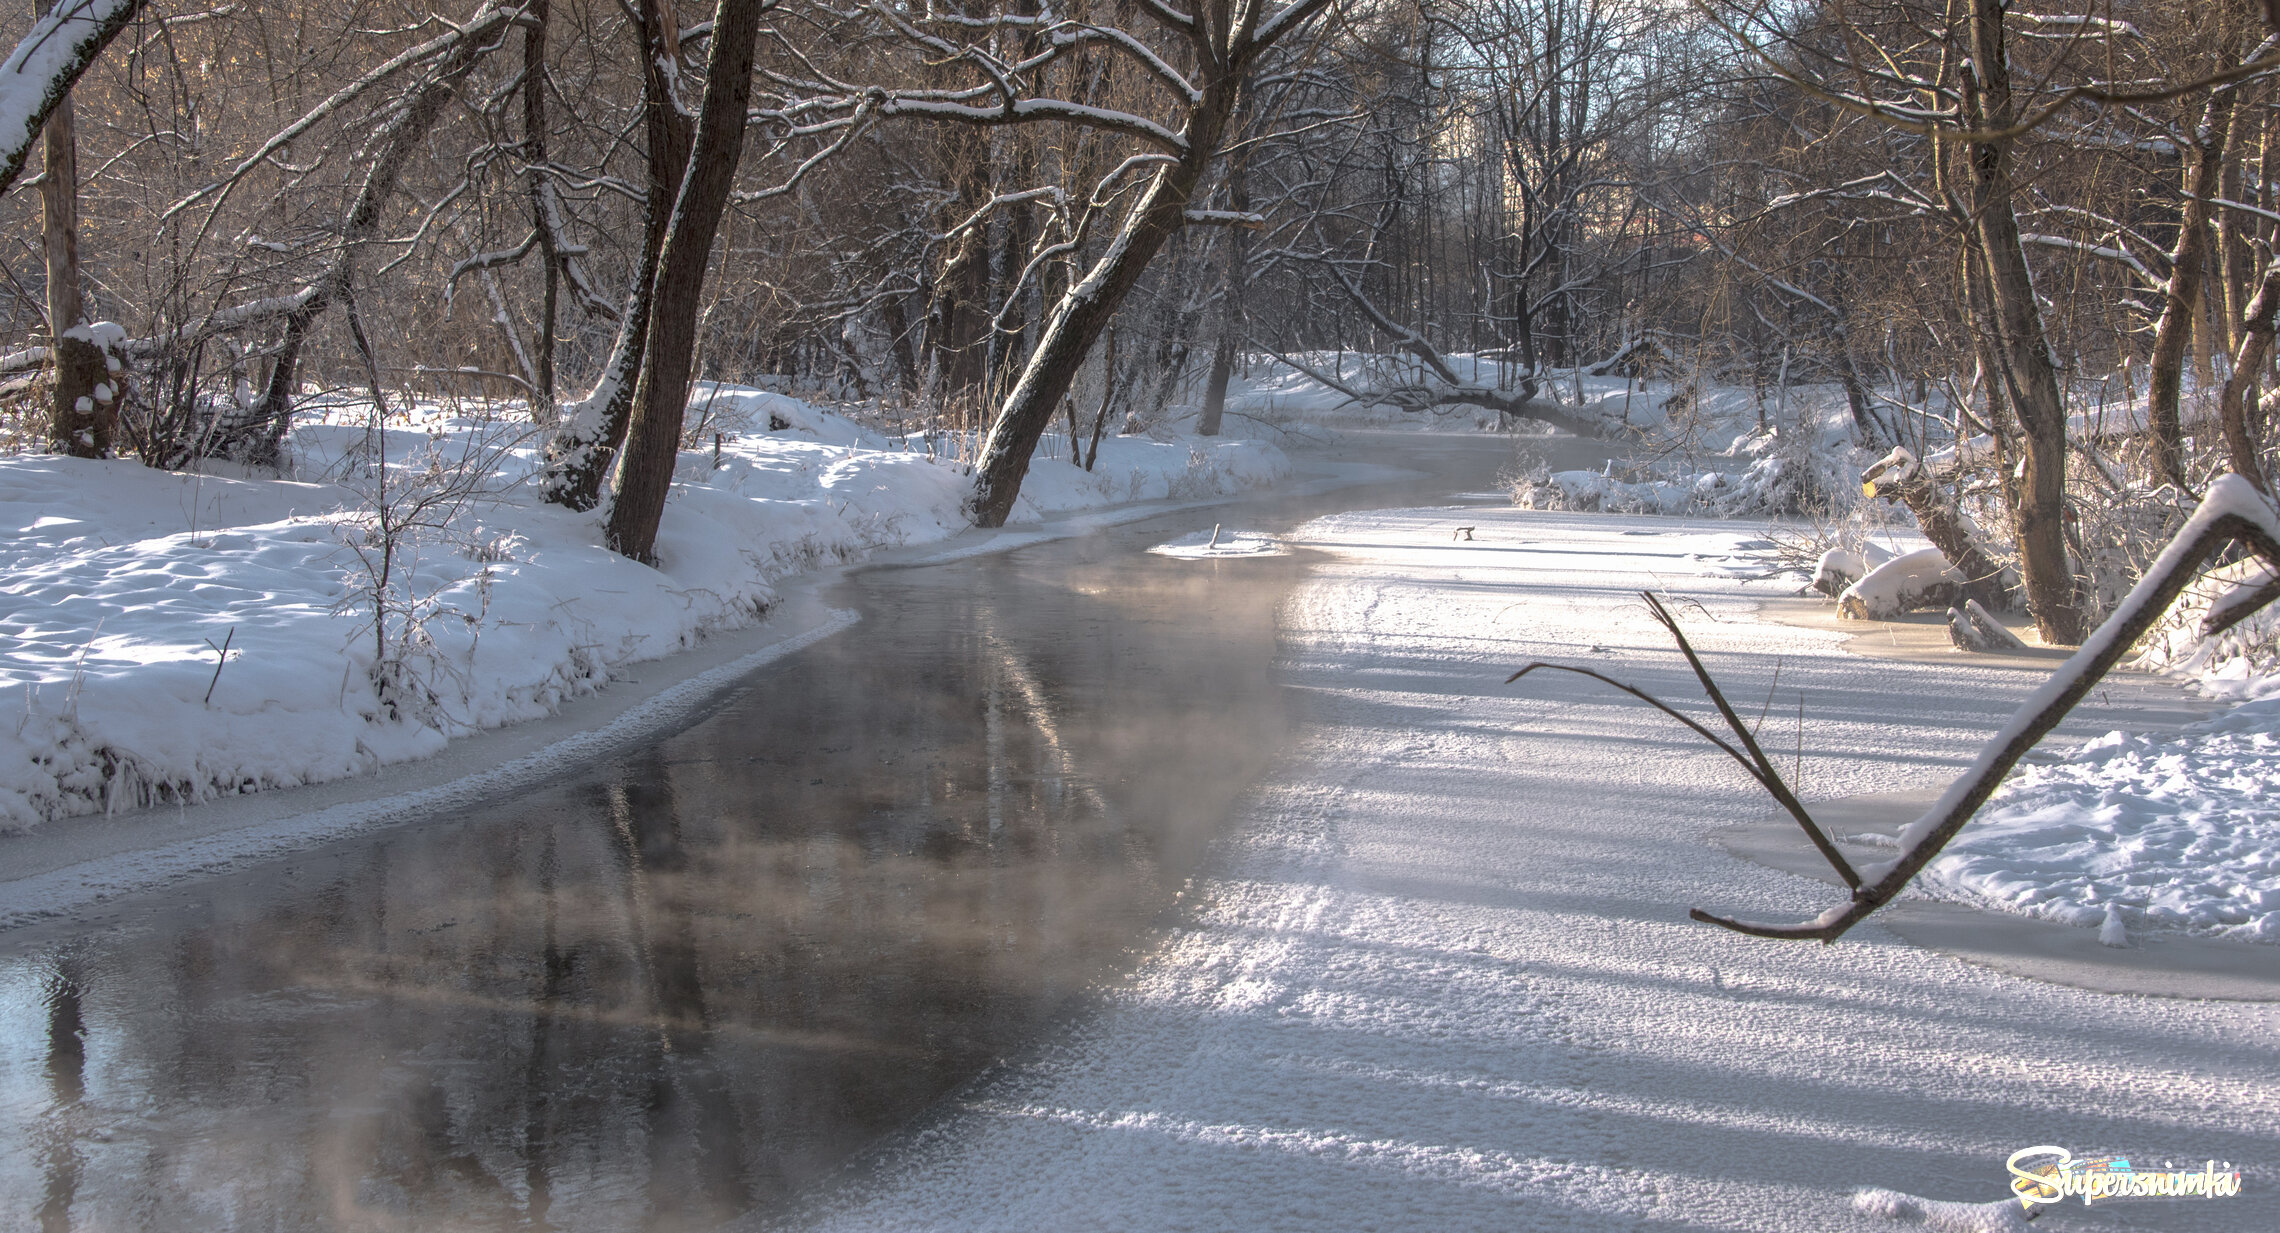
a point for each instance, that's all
(1199, 65)
(653, 438)
(83, 406)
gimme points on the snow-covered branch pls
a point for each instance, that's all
(40, 72)
(2234, 512)
(485, 22)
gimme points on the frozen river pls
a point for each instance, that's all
(697, 978)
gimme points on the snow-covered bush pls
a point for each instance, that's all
(2242, 662)
(406, 507)
(1767, 476)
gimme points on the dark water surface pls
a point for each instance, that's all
(695, 979)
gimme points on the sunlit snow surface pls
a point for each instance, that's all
(2176, 833)
(1446, 980)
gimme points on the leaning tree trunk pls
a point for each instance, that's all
(653, 439)
(47, 61)
(1947, 526)
(2022, 351)
(594, 428)
(1077, 320)
(384, 157)
(2239, 394)
(2186, 262)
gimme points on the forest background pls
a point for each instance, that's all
(1975, 219)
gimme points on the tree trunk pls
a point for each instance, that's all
(580, 453)
(2256, 328)
(653, 439)
(79, 422)
(2022, 352)
(1865, 421)
(1230, 317)
(534, 160)
(2187, 260)
(1078, 318)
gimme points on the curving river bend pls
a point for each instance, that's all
(699, 978)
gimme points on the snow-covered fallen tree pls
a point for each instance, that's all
(1907, 583)
(1839, 568)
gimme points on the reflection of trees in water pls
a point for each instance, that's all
(67, 1083)
(695, 1158)
(700, 980)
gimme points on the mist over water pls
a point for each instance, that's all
(691, 983)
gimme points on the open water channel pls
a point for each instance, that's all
(696, 980)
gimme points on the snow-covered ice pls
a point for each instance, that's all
(1447, 981)
(2178, 832)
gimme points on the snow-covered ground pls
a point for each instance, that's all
(2162, 832)
(123, 586)
(1447, 980)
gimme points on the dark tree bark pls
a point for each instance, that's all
(83, 411)
(1230, 316)
(653, 439)
(1078, 318)
(2022, 350)
(579, 455)
(2174, 330)
(2240, 386)
(51, 57)
(1228, 39)
(541, 202)
(958, 320)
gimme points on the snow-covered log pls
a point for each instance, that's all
(1906, 583)
(40, 72)
(1952, 531)
(1839, 568)
(1973, 628)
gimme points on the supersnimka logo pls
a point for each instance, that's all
(2050, 1174)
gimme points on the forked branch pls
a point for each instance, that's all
(2234, 512)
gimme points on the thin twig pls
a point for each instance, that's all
(221, 657)
(1771, 777)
